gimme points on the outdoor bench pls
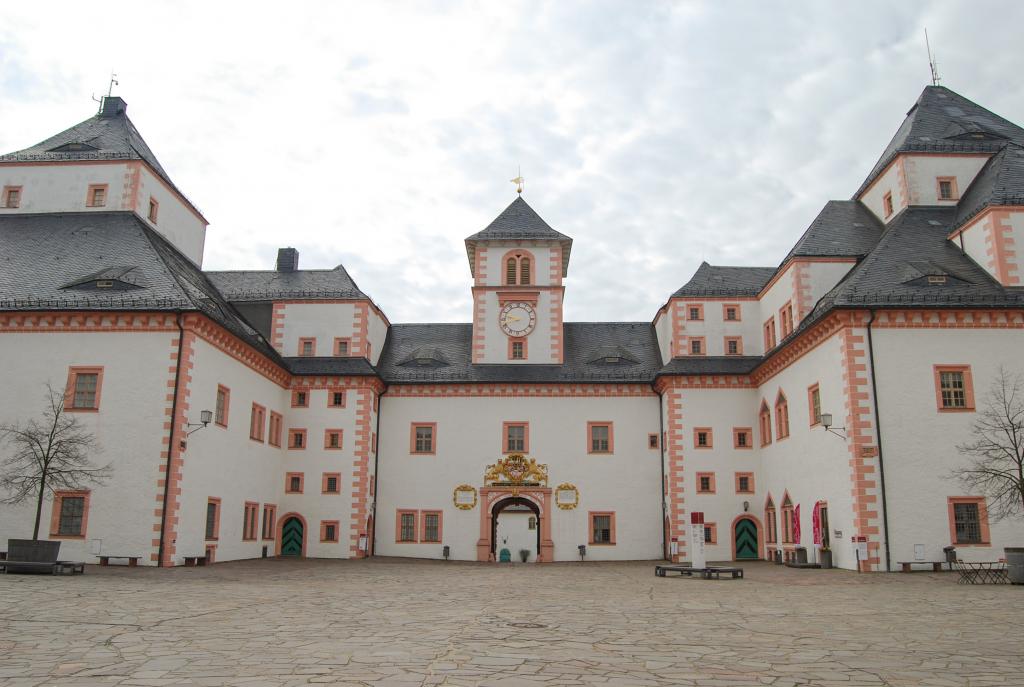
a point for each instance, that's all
(132, 560)
(905, 565)
(192, 561)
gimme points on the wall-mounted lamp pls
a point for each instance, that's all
(746, 506)
(205, 418)
(826, 422)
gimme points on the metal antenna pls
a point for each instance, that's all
(113, 82)
(932, 64)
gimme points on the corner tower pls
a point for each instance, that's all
(518, 263)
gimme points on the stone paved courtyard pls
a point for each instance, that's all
(395, 622)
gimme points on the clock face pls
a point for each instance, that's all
(517, 319)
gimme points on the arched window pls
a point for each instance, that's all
(765, 424)
(770, 524)
(781, 416)
(787, 520)
(524, 270)
(510, 271)
(518, 268)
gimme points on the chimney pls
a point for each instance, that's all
(287, 259)
(112, 106)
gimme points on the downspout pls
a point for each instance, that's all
(376, 475)
(878, 433)
(170, 443)
(661, 487)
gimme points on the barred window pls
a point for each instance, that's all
(602, 529)
(408, 527)
(431, 527)
(72, 510)
(211, 520)
(967, 521)
(85, 390)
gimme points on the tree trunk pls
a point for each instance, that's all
(39, 505)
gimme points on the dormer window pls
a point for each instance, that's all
(12, 196)
(613, 359)
(946, 188)
(517, 269)
(154, 208)
(97, 196)
(104, 284)
(72, 147)
(937, 279)
(887, 204)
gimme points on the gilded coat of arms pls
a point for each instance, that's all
(516, 469)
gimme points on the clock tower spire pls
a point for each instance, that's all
(518, 263)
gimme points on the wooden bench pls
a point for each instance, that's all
(905, 565)
(682, 569)
(132, 560)
(69, 568)
(193, 561)
(709, 573)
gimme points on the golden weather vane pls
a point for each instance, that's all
(519, 181)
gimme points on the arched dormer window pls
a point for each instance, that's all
(765, 424)
(518, 269)
(771, 535)
(781, 416)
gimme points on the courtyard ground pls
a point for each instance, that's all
(398, 622)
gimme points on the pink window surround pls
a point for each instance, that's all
(432, 426)
(769, 334)
(398, 526)
(765, 424)
(986, 537)
(887, 204)
(710, 533)
(591, 437)
(750, 483)
(58, 504)
(704, 434)
(342, 346)
(73, 382)
(288, 482)
(813, 391)
(505, 439)
(423, 526)
(337, 444)
(747, 432)
(276, 423)
(731, 306)
(954, 191)
(307, 346)
(696, 345)
(269, 520)
(257, 422)
(222, 408)
(739, 345)
(518, 268)
(592, 517)
(96, 196)
(216, 517)
(12, 197)
(781, 417)
(512, 345)
(300, 398)
(332, 398)
(711, 483)
(652, 441)
(297, 439)
(329, 531)
(249, 516)
(695, 312)
(968, 389)
(786, 319)
(324, 486)
(154, 209)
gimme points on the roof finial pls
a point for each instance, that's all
(519, 181)
(931, 61)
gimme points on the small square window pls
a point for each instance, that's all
(694, 313)
(332, 439)
(652, 441)
(732, 313)
(331, 484)
(294, 483)
(330, 533)
(300, 399)
(307, 347)
(341, 347)
(744, 483)
(697, 346)
(423, 438)
(516, 437)
(954, 388)
(336, 399)
(296, 438)
(742, 439)
(517, 350)
(702, 437)
(602, 528)
(12, 197)
(705, 483)
(600, 437)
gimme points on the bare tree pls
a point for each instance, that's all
(48, 454)
(996, 452)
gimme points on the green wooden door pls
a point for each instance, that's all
(291, 537)
(746, 539)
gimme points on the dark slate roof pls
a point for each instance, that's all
(583, 341)
(707, 365)
(519, 222)
(710, 280)
(944, 121)
(332, 366)
(105, 137)
(895, 273)
(42, 256)
(1000, 182)
(843, 228)
(269, 285)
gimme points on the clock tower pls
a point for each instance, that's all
(518, 263)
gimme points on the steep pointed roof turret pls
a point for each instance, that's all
(944, 121)
(1000, 182)
(519, 222)
(107, 135)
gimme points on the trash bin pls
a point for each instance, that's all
(950, 552)
(778, 557)
(1015, 564)
(801, 555)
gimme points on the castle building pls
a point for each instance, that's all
(809, 406)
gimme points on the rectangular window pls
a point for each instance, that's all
(329, 531)
(154, 209)
(741, 437)
(300, 399)
(405, 525)
(307, 347)
(342, 346)
(954, 389)
(602, 528)
(705, 483)
(652, 441)
(516, 437)
(695, 312)
(600, 437)
(781, 418)
(249, 521)
(212, 519)
(968, 521)
(220, 412)
(331, 483)
(710, 533)
(276, 422)
(431, 527)
(269, 520)
(296, 439)
(769, 334)
(765, 424)
(12, 197)
(696, 345)
(335, 398)
(786, 319)
(96, 196)
(814, 404)
(424, 438)
(83, 389)
(887, 203)
(733, 345)
(293, 483)
(71, 521)
(332, 439)
(257, 422)
(731, 312)
(947, 189)
(702, 437)
(517, 349)
(744, 483)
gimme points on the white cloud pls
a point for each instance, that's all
(381, 134)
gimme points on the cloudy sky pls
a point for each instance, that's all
(380, 134)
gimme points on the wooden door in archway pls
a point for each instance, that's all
(291, 537)
(745, 536)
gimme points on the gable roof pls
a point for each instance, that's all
(1000, 182)
(944, 121)
(42, 256)
(715, 280)
(270, 285)
(518, 222)
(108, 135)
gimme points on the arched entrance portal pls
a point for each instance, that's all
(745, 540)
(291, 536)
(512, 538)
(497, 498)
